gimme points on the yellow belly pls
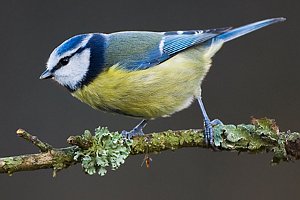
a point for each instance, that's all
(154, 92)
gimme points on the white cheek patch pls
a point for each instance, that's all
(75, 71)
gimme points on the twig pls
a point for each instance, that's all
(261, 136)
(43, 146)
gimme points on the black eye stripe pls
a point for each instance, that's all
(65, 60)
(56, 67)
(60, 64)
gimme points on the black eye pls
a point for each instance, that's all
(64, 61)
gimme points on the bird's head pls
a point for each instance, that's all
(76, 61)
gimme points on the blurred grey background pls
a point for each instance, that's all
(256, 75)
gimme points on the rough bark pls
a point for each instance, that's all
(261, 136)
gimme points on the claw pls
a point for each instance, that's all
(216, 122)
(208, 130)
(208, 125)
(138, 130)
(132, 133)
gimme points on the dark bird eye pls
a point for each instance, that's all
(64, 61)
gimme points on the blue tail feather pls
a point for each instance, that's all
(240, 31)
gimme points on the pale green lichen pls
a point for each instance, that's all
(63, 159)
(186, 137)
(167, 140)
(280, 151)
(108, 149)
(10, 163)
(292, 136)
(267, 128)
(262, 134)
(218, 132)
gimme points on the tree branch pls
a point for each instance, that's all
(261, 136)
(44, 147)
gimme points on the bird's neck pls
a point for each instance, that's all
(97, 45)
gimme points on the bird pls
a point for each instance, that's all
(142, 74)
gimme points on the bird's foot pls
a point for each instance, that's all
(208, 131)
(134, 132)
(138, 130)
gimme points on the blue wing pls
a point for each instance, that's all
(150, 49)
(175, 42)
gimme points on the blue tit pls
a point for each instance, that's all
(142, 74)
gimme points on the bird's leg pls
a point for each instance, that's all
(208, 130)
(138, 130)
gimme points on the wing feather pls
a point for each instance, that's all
(162, 46)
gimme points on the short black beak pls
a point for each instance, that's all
(46, 74)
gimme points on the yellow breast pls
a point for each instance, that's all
(154, 92)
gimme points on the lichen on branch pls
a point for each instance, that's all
(106, 149)
(98, 151)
